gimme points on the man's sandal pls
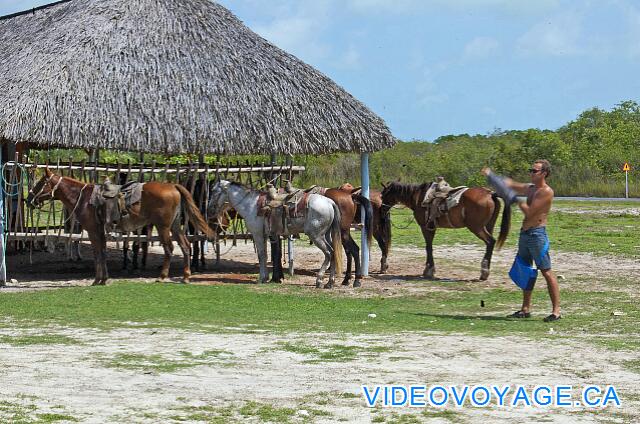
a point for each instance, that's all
(519, 314)
(552, 318)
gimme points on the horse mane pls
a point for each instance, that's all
(407, 189)
(243, 186)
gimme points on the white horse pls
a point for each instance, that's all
(321, 223)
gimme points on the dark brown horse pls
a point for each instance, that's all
(159, 206)
(478, 211)
(381, 223)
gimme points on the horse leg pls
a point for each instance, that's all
(145, 252)
(261, 249)
(430, 267)
(135, 249)
(276, 260)
(125, 256)
(181, 238)
(76, 250)
(167, 245)
(384, 266)
(355, 252)
(195, 261)
(347, 250)
(490, 243)
(99, 244)
(325, 247)
(203, 264)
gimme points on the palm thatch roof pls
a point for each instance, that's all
(169, 76)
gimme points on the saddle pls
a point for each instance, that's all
(439, 199)
(115, 199)
(283, 204)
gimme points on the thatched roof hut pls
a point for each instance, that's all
(168, 76)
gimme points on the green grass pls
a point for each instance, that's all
(570, 232)
(206, 413)
(331, 353)
(21, 413)
(238, 413)
(160, 364)
(267, 413)
(39, 340)
(51, 418)
(447, 307)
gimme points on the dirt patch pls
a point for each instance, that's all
(240, 266)
(86, 379)
(620, 211)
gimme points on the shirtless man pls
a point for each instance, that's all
(533, 235)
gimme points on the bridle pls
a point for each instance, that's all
(38, 196)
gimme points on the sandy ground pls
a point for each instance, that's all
(81, 380)
(110, 376)
(239, 264)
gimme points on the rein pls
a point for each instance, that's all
(77, 202)
(36, 196)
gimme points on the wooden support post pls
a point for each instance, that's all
(364, 176)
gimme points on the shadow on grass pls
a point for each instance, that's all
(420, 278)
(473, 317)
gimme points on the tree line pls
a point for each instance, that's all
(587, 155)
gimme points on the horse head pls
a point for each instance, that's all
(43, 190)
(218, 197)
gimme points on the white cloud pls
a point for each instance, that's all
(427, 89)
(633, 32)
(298, 29)
(511, 7)
(555, 36)
(481, 48)
(351, 58)
(384, 6)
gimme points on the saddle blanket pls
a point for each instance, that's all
(131, 192)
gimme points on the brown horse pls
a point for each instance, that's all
(349, 204)
(159, 206)
(478, 211)
(381, 224)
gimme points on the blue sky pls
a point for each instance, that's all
(437, 67)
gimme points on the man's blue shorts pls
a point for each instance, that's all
(531, 247)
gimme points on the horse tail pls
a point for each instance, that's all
(193, 212)
(506, 221)
(384, 226)
(496, 211)
(368, 215)
(336, 239)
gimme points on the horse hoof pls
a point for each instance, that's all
(357, 284)
(318, 285)
(328, 286)
(346, 282)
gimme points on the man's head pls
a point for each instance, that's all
(540, 169)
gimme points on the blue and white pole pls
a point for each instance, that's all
(364, 176)
(3, 264)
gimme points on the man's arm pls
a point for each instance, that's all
(519, 188)
(540, 202)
